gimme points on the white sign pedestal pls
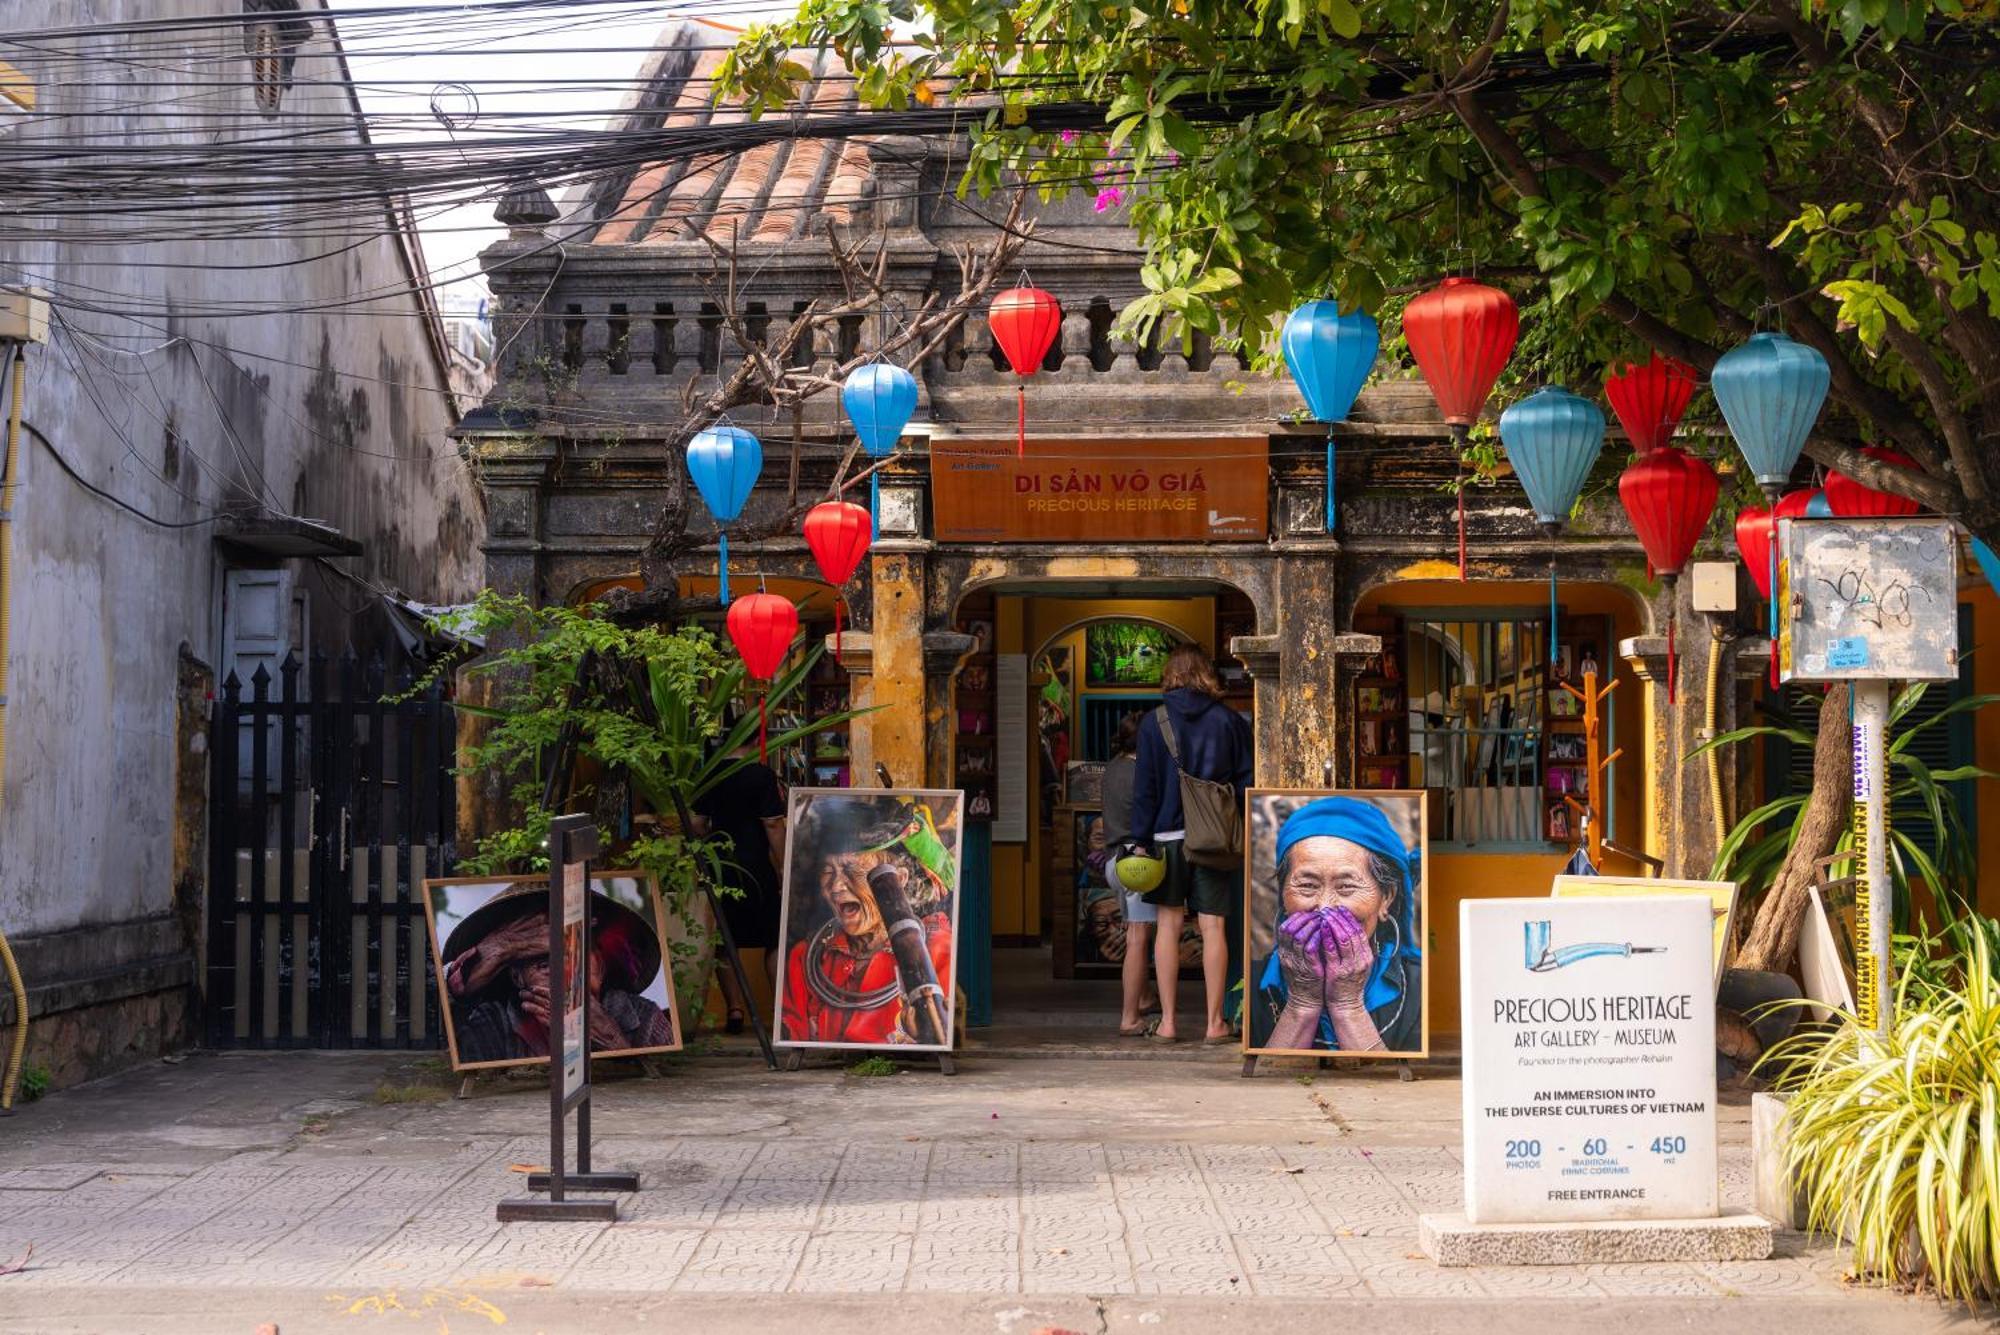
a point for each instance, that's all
(1589, 1086)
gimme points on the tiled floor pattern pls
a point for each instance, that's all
(744, 1216)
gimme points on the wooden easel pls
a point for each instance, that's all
(1590, 811)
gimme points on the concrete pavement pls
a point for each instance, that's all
(345, 1192)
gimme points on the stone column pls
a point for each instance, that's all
(1309, 717)
(857, 656)
(1679, 829)
(896, 731)
(944, 653)
(511, 475)
(1259, 656)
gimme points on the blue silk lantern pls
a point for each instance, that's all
(724, 461)
(1553, 439)
(1819, 507)
(1329, 355)
(879, 398)
(1770, 391)
(1989, 564)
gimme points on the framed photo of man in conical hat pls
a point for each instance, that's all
(868, 936)
(490, 946)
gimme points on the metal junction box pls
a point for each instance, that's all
(1867, 600)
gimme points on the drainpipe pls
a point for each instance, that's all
(8, 476)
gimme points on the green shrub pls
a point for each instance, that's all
(1895, 1141)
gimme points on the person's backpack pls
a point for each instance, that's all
(1212, 812)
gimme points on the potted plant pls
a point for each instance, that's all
(647, 712)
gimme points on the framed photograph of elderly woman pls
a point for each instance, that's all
(869, 932)
(490, 943)
(1335, 910)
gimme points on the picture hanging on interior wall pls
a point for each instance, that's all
(490, 943)
(1336, 904)
(869, 926)
(1125, 653)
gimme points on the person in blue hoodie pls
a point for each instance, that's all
(1214, 743)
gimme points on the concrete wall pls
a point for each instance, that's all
(158, 390)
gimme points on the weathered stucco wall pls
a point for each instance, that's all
(155, 389)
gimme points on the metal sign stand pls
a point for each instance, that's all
(572, 843)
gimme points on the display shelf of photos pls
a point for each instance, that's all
(974, 699)
(823, 758)
(1580, 645)
(1381, 710)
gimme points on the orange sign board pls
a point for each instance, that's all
(1085, 490)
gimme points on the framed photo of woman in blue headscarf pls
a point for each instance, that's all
(1335, 911)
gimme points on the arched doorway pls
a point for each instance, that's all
(1055, 665)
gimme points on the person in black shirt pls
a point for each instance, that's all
(749, 808)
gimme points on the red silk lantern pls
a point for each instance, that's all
(838, 534)
(1025, 322)
(762, 627)
(1854, 500)
(1461, 334)
(1669, 495)
(1753, 543)
(1649, 398)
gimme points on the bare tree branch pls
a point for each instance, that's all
(765, 376)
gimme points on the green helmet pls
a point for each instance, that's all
(1140, 875)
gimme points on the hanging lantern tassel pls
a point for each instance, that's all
(1021, 421)
(1673, 619)
(722, 563)
(763, 728)
(874, 506)
(1552, 596)
(836, 630)
(1329, 481)
(1773, 558)
(1458, 439)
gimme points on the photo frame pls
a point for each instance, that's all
(1126, 653)
(1329, 836)
(489, 946)
(1084, 784)
(868, 926)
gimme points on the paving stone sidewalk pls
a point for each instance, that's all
(817, 1215)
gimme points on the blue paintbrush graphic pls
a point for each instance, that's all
(1543, 957)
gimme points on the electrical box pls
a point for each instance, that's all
(1714, 586)
(24, 315)
(1867, 600)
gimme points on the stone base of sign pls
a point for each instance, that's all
(1449, 1240)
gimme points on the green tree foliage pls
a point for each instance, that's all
(669, 711)
(1653, 174)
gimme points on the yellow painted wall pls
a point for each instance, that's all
(1010, 861)
(1460, 874)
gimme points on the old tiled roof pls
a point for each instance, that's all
(771, 193)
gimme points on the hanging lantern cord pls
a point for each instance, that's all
(763, 727)
(836, 629)
(1459, 436)
(1021, 420)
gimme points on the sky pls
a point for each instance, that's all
(544, 62)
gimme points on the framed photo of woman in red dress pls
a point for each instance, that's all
(869, 930)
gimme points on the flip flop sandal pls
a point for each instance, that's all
(1144, 1029)
(1157, 1037)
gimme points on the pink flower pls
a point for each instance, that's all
(1068, 136)
(1110, 197)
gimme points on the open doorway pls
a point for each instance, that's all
(1055, 671)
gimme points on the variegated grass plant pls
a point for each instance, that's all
(1895, 1140)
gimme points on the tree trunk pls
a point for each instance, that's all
(1774, 935)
